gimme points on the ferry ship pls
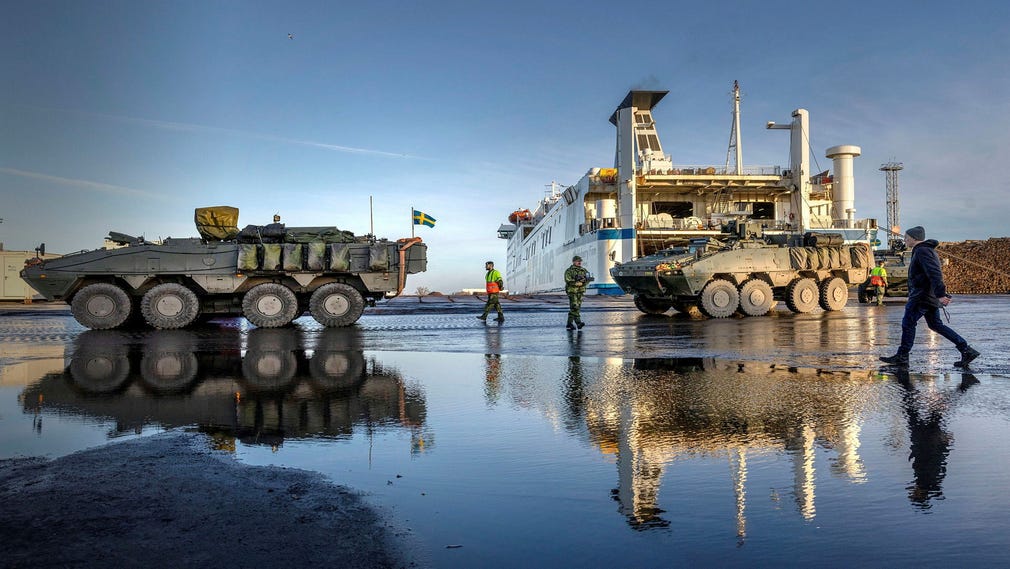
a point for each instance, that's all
(646, 203)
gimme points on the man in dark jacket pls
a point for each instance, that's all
(926, 294)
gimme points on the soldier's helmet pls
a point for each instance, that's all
(576, 258)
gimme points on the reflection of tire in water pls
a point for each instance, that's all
(334, 371)
(98, 370)
(269, 371)
(168, 371)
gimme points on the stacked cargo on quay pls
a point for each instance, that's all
(647, 203)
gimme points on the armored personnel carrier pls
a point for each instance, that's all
(271, 274)
(746, 273)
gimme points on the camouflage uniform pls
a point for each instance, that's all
(576, 279)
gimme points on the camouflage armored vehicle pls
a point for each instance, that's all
(271, 274)
(746, 275)
(896, 263)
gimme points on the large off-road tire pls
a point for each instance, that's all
(652, 305)
(169, 306)
(834, 294)
(802, 295)
(336, 304)
(862, 294)
(270, 305)
(719, 299)
(755, 298)
(101, 306)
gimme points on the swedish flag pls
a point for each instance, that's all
(421, 218)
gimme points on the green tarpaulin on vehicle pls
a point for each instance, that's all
(324, 234)
(292, 256)
(340, 257)
(316, 256)
(248, 257)
(217, 223)
(271, 256)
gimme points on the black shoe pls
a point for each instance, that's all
(484, 318)
(570, 326)
(968, 355)
(501, 318)
(580, 324)
(896, 359)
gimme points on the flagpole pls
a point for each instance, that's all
(411, 222)
(371, 217)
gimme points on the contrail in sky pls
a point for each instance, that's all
(188, 127)
(96, 186)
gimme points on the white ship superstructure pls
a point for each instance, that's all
(646, 202)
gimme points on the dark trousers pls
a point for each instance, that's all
(913, 312)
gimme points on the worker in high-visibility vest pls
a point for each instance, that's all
(493, 284)
(878, 280)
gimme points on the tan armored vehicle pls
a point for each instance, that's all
(747, 275)
(271, 274)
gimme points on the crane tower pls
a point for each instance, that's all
(890, 171)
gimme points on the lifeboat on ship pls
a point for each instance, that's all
(520, 215)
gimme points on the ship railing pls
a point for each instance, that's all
(706, 170)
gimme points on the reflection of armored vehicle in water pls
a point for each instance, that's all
(896, 264)
(746, 274)
(270, 274)
(284, 385)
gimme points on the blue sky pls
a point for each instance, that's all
(126, 116)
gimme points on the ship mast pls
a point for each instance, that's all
(735, 151)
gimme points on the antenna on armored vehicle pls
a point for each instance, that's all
(890, 170)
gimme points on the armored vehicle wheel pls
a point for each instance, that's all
(719, 299)
(270, 305)
(652, 305)
(834, 294)
(101, 306)
(336, 304)
(755, 297)
(802, 295)
(861, 294)
(170, 305)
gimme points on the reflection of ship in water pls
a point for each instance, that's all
(263, 387)
(676, 408)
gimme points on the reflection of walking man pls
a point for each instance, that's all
(878, 280)
(493, 285)
(926, 294)
(576, 279)
(929, 440)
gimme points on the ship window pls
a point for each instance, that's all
(643, 142)
(675, 209)
(763, 210)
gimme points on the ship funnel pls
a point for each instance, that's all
(844, 190)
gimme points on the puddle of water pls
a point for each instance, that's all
(548, 460)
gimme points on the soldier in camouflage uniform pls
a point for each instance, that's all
(576, 279)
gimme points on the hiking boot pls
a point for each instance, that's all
(968, 355)
(571, 323)
(580, 323)
(482, 318)
(501, 318)
(896, 359)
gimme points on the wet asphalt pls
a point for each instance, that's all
(852, 338)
